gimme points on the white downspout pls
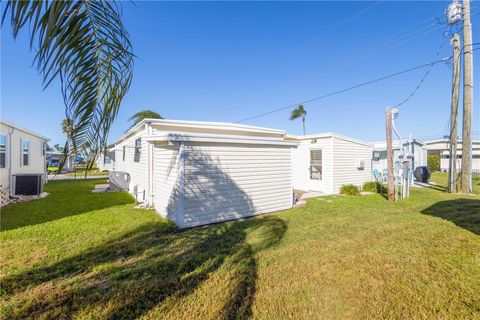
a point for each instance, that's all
(181, 186)
(10, 178)
(148, 129)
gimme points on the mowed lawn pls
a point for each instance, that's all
(81, 255)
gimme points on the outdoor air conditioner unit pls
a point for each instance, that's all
(28, 184)
(360, 164)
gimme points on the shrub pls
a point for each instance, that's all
(350, 189)
(433, 162)
(373, 187)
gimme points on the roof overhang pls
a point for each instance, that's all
(201, 125)
(13, 125)
(174, 138)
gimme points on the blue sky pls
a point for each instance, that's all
(226, 61)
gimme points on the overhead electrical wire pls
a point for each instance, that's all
(347, 89)
(355, 15)
(422, 80)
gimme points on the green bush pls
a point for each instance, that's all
(373, 187)
(350, 189)
(433, 162)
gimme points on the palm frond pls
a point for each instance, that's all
(84, 44)
(144, 114)
(297, 113)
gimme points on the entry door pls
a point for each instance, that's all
(315, 170)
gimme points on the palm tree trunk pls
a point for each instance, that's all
(303, 122)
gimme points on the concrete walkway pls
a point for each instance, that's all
(79, 176)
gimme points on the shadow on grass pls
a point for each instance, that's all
(147, 268)
(464, 213)
(66, 198)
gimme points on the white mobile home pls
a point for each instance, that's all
(22, 161)
(197, 173)
(325, 162)
(415, 147)
(441, 148)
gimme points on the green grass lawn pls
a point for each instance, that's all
(80, 255)
(92, 172)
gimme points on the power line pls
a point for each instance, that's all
(345, 21)
(425, 75)
(346, 89)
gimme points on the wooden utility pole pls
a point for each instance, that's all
(466, 173)
(452, 176)
(390, 177)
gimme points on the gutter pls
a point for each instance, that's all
(10, 184)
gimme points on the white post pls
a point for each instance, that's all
(181, 187)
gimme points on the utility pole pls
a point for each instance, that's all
(466, 175)
(452, 177)
(390, 178)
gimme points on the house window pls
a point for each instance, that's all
(138, 150)
(44, 148)
(316, 164)
(3, 150)
(123, 154)
(25, 152)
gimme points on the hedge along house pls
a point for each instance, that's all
(324, 162)
(197, 173)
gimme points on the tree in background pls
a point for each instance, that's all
(299, 112)
(144, 114)
(85, 46)
(70, 149)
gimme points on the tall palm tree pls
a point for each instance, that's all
(299, 112)
(70, 149)
(84, 45)
(144, 114)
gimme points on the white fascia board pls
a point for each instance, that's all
(10, 124)
(172, 137)
(328, 135)
(200, 125)
(214, 125)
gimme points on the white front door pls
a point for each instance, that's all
(315, 169)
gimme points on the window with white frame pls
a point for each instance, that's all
(3, 151)
(44, 148)
(123, 154)
(25, 152)
(316, 164)
(138, 150)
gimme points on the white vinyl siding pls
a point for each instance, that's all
(165, 180)
(226, 181)
(138, 170)
(345, 157)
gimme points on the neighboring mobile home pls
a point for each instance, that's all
(324, 162)
(415, 147)
(22, 161)
(198, 173)
(441, 148)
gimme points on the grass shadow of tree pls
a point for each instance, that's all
(465, 213)
(126, 278)
(67, 198)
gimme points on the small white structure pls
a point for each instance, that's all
(22, 160)
(415, 147)
(106, 160)
(441, 148)
(197, 173)
(327, 161)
